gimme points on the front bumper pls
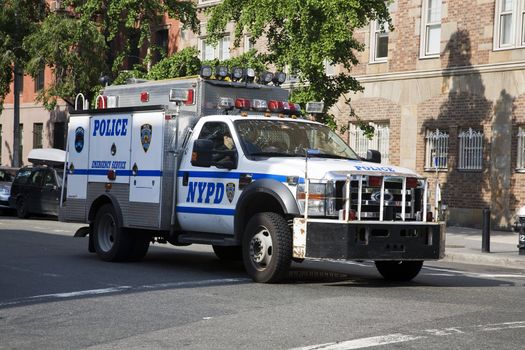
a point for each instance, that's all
(368, 240)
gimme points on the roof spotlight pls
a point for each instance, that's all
(250, 75)
(206, 72)
(265, 77)
(279, 78)
(221, 72)
(237, 73)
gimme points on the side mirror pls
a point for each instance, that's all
(202, 152)
(373, 156)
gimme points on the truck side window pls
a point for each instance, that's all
(221, 136)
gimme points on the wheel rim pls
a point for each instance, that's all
(107, 230)
(261, 249)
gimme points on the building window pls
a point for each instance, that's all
(161, 42)
(220, 51)
(38, 130)
(380, 141)
(59, 135)
(248, 44)
(470, 150)
(436, 156)
(431, 28)
(39, 80)
(378, 41)
(520, 163)
(329, 68)
(509, 24)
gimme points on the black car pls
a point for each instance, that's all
(36, 190)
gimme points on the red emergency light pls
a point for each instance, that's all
(243, 103)
(144, 96)
(275, 106)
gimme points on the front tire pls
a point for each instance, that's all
(399, 271)
(112, 242)
(21, 208)
(267, 248)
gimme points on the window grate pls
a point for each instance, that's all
(436, 156)
(470, 150)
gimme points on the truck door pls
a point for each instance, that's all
(109, 148)
(146, 157)
(207, 196)
(77, 157)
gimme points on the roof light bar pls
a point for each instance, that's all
(259, 105)
(275, 106)
(226, 103)
(243, 103)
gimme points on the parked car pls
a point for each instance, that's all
(7, 176)
(36, 189)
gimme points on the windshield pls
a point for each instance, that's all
(276, 138)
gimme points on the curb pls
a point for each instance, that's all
(485, 259)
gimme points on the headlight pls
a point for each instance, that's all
(316, 198)
(4, 190)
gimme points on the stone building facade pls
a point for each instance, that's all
(449, 83)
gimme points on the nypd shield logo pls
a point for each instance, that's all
(145, 136)
(230, 191)
(79, 139)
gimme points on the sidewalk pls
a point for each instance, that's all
(463, 245)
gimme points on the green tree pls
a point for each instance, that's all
(18, 19)
(304, 35)
(93, 37)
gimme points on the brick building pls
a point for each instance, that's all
(446, 92)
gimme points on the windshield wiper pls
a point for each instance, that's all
(273, 154)
(326, 155)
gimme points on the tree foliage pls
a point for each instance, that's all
(304, 35)
(93, 37)
(18, 19)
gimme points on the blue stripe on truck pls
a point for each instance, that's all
(208, 211)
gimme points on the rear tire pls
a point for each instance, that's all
(21, 208)
(112, 242)
(228, 253)
(267, 248)
(399, 271)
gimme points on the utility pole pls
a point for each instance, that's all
(16, 92)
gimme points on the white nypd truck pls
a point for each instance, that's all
(231, 164)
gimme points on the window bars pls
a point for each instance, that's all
(380, 140)
(436, 149)
(520, 164)
(470, 150)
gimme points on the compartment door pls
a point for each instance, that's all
(77, 157)
(109, 147)
(146, 157)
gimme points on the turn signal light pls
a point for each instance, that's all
(112, 175)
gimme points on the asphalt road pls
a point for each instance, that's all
(56, 295)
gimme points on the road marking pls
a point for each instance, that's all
(400, 338)
(473, 274)
(120, 289)
(363, 342)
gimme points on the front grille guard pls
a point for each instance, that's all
(367, 215)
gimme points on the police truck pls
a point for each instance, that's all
(232, 163)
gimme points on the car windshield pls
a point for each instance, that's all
(279, 138)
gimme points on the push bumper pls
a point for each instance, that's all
(368, 240)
